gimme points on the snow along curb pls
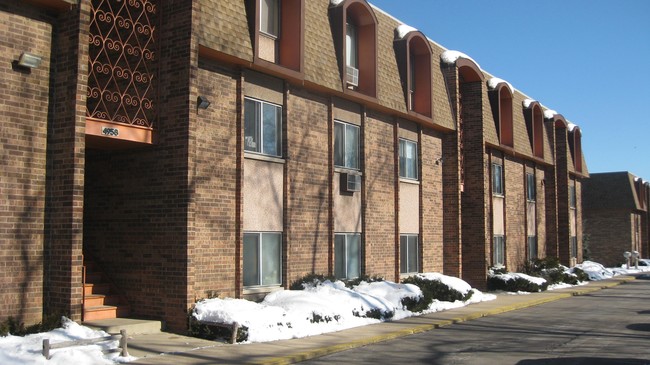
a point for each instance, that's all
(544, 297)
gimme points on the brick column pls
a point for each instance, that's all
(562, 181)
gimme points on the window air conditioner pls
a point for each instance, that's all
(352, 76)
(350, 182)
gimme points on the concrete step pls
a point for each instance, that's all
(131, 325)
(101, 288)
(105, 312)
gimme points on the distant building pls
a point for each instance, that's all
(615, 216)
(166, 151)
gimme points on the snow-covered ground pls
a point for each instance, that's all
(318, 309)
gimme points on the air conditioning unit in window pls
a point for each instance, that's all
(350, 182)
(352, 76)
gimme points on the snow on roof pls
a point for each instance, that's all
(403, 30)
(450, 57)
(549, 113)
(335, 2)
(528, 102)
(493, 82)
(570, 126)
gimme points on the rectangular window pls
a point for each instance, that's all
(572, 196)
(532, 247)
(499, 250)
(531, 189)
(497, 179)
(262, 127)
(346, 145)
(262, 258)
(351, 53)
(408, 159)
(347, 255)
(574, 246)
(408, 253)
(270, 17)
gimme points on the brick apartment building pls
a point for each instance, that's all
(162, 152)
(616, 216)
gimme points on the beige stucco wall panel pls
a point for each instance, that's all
(263, 203)
(409, 208)
(347, 208)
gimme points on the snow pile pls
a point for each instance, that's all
(335, 2)
(450, 57)
(571, 126)
(403, 30)
(28, 350)
(325, 307)
(595, 270)
(517, 275)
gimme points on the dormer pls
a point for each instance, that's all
(500, 95)
(575, 146)
(277, 31)
(413, 54)
(534, 117)
(354, 28)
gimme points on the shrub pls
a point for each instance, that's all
(351, 283)
(580, 274)
(17, 328)
(498, 282)
(550, 269)
(213, 332)
(431, 289)
(375, 313)
(309, 279)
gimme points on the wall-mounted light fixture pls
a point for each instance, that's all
(29, 60)
(439, 160)
(202, 102)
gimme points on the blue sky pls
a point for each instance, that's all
(587, 59)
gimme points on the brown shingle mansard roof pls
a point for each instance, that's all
(223, 27)
(610, 190)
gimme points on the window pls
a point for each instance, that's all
(408, 253)
(572, 196)
(347, 255)
(498, 251)
(532, 247)
(346, 145)
(574, 246)
(262, 127)
(262, 259)
(408, 159)
(531, 190)
(497, 179)
(351, 50)
(270, 17)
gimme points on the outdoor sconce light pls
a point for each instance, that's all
(202, 102)
(28, 60)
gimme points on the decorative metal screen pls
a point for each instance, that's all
(122, 62)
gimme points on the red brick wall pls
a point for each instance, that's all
(609, 235)
(24, 98)
(476, 235)
(307, 207)
(562, 181)
(213, 248)
(431, 205)
(515, 213)
(137, 213)
(381, 256)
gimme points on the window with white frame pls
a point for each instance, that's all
(408, 253)
(262, 127)
(572, 196)
(532, 247)
(262, 259)
(408, 159)
(351, 49)
(347, 255)
(531, 190)
(346, 145)
(270, 17)
(499, 250)
(497, 179)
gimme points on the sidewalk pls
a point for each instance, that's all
(167, 348)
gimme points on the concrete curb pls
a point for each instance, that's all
(548, 297)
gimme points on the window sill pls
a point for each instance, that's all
(346, 170)
(498, 195)
(261, 289)
(260, 157)
(409, 181)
